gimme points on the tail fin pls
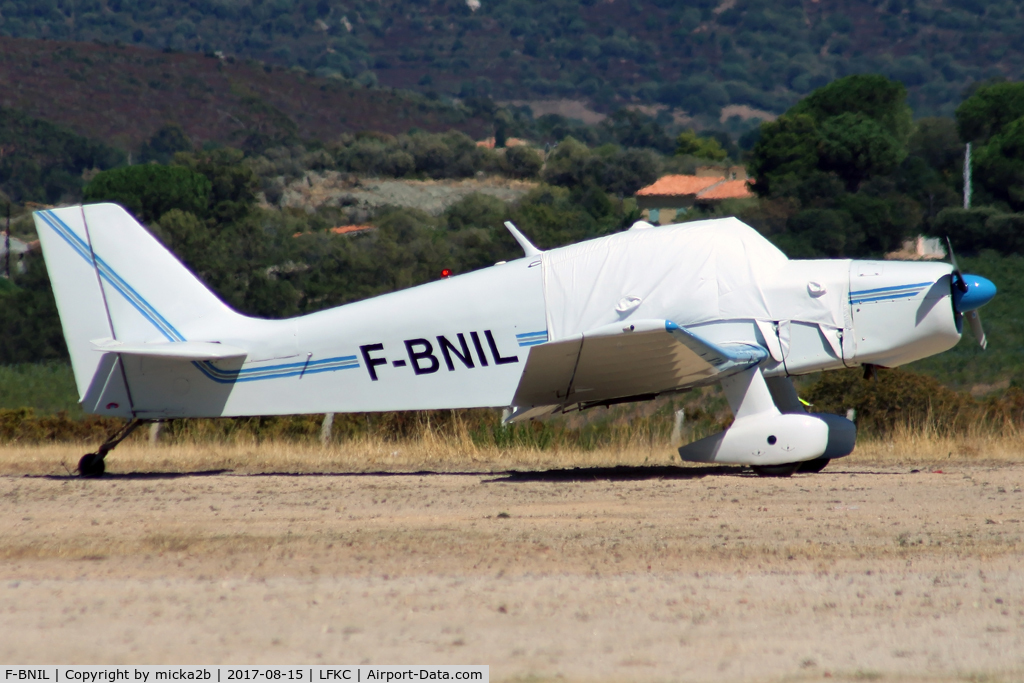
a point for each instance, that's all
(92, 254)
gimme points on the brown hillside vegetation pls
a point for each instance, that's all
(122, 95)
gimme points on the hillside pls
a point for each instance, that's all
(696, 56)
(123, 95)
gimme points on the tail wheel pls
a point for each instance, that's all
(786, 470)
(813, 466)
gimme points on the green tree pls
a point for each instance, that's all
(164, 144)
(186, 235)
(151, 190)
(30, 329)
(522, 162)
(631, 128)
(857, 147)
(856, 127)
(785, 154)
(999, 164)
(43, 162)
(566, 165)
(476, 211)
(935, 140)
(820, 232)
(990, 109)
(702, 147)
(837, 153)
(874, 96)
(233, 184)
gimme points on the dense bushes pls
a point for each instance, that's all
(898, 398)
(151, 190)
(24, 426)
(613, 169)
(983, 228)
(30, 329)
(448, 155)
(522, 162)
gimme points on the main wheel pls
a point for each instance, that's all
(91, 465)
(786, 470)
(813, 466)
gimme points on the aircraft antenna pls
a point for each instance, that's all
(526, 244)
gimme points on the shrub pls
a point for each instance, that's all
(522, 162)
(901, 398)
(150, 191)
(973, 230)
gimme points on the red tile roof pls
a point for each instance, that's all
(729, 189)
(345, 229)
(704, 187)
(341, 230)
(678, 185)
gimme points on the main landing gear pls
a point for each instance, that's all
(772, 434)
(813, 466)
(789, 469)
(91, 464)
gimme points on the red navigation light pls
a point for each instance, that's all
(446, 273)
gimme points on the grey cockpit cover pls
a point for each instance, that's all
(691, 273)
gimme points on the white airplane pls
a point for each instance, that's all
(643, 313)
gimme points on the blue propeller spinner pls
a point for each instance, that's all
(976, 292)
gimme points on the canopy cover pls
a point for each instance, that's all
(690, 273)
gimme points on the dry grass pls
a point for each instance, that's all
(925, 445)
(459, 453)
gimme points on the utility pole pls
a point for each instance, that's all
(7, 244)
(967, 177)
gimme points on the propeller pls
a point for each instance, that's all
(975, 322)
(958, 276)
(970, 292)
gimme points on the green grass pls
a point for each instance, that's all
(46, 387)
(966, 365)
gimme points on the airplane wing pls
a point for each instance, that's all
(624, 362)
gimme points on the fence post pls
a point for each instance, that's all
(154, 432)
(325, 429)
(677, 428)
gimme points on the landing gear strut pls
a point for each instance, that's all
(91, 464)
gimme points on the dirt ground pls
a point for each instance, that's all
(660, 573)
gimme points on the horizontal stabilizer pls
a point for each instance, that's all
(183, 350)
(622, 362)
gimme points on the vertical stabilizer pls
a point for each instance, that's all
(150, 294)
(113, 280)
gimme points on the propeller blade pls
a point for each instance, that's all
(958, 276)
(979, 333)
